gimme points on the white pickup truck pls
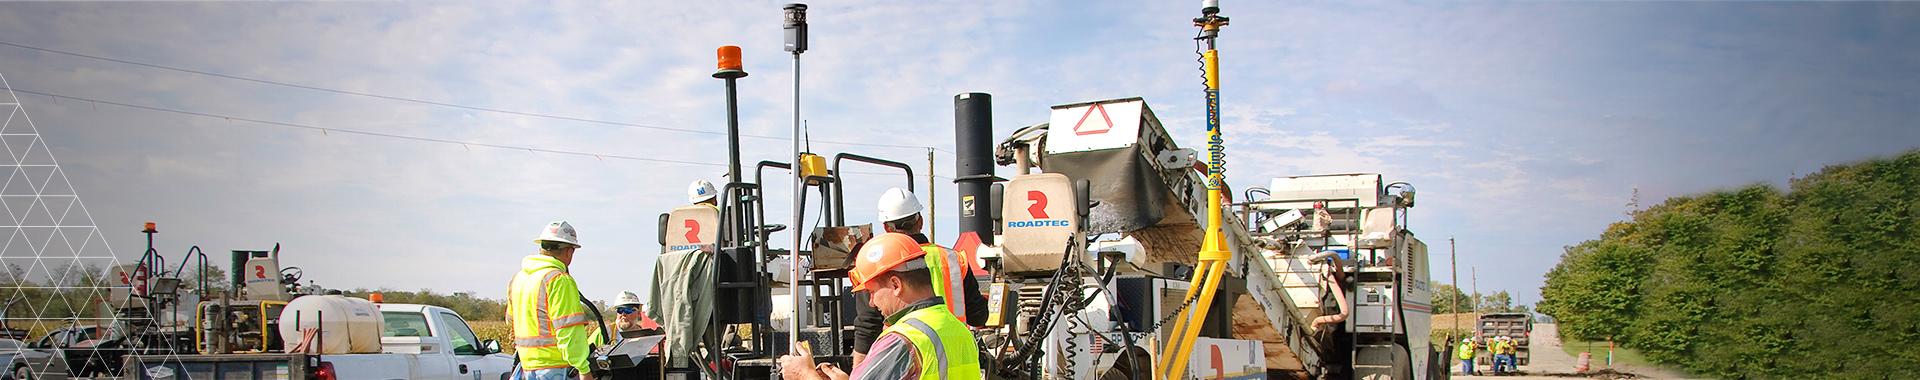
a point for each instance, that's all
(419, 342)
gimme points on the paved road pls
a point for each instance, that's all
(1546, 357)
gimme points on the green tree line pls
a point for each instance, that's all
(1818, 281)
(470, 307)
(64, 292)
(1498, 302)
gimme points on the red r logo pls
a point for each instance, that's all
(1039, 207)
(693, 231)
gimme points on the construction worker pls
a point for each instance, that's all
(550, 325)
(923, 339)
(1508, 348)
(900, 213)
(630, 318)
(702, 192)
(1499, 349)
(1466, 354)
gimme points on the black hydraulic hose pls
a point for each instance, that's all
(1072, 346)
(1026, 351)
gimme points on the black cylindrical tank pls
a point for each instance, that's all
(973, 135)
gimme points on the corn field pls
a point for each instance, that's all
(499, 331)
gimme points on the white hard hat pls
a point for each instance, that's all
(626, 298)
(559, 231)
(898, 203)
(700, 191)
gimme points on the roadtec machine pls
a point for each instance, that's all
(1111, 253)
(1090, 249)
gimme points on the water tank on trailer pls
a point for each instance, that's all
(346, 325)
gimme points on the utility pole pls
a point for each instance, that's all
(933, 213)
(1453, 256)
(1475, 298)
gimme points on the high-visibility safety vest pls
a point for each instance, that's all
(1466, 349)
(549, 323)
(948, 273)
(945, 345)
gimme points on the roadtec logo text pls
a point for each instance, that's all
(1038, 223)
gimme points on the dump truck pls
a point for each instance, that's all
(1517, 326)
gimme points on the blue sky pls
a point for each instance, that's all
(1526, 126)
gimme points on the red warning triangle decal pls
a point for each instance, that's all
(1100, 126)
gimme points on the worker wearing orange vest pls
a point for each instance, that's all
(952, 274)
(923, 339)
(551, 333)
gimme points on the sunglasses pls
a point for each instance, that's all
(625, 310)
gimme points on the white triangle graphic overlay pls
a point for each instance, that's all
(55, 264)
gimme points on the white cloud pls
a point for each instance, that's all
(1492, 109)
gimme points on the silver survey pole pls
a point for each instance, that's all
(796, 35)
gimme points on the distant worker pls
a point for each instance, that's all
(1466, 354)
(701, 192)
(900, 213)
(923, 339)
(631, 320)
(551, 332)
(1500, 357)
(1510, 349)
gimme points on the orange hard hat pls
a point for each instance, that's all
(885, 252)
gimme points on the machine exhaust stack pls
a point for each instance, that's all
(973, 132)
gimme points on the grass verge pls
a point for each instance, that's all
(1621, 355)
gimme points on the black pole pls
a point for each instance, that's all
(973, 135)
(733, 115)
(732, 218)
(733, 130)
(239, 272)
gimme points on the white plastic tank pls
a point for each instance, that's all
(346, 325)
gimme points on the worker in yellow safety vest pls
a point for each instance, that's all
(551, 333)
(953, 278)
(1510, 348)
(1498, 347)
(923, 339)
(1467, 354)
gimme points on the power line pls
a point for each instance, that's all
(350, 131)
(442, 104)
(389, 135)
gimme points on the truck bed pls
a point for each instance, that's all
(219, 366)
